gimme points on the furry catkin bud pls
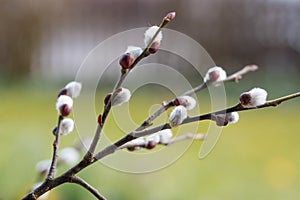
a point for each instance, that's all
(188, 102)
(215, 74)
(123, 96)
(64, 105)
(253, 98)
(245, 98)
(135, 51)
(177, 116)
(65, 110)
(126, 60)
(73, 89)
(67, 126)
(153, 137)
(135, 144)
(150, 32)
(165, 136)
(151, 144)
(232, 117)
(154, 47)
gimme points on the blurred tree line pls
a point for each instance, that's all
(44, 37)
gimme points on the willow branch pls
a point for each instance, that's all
(77, 180)
(133, 135)
(209, 116)
(239, 107)
(124, 73)
(52, 169)
(234, 77)
(165, 106)
(136, 134)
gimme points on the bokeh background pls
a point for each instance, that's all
(43, 43)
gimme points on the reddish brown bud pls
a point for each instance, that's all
(180, 101)
(65, 110)
(100, 119)
(186, 101)
(131, 148)
(107, 98)
(154, 47)
(170, 16)
(55, 144)
(63, 91)
(214, 75)
(176, 102)
(54, 130)
(245, 98)
(151, 144)
(126, 60)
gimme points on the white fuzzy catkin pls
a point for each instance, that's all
(63, 100)
(122, 97)
(67, 126)
(177, 116)
(73, 89)
(153, 137)
(188, 102)
(135, 51)
(233, 117)
(221, 75)
(150, 33)
(165, 136)
(136, 142)
(257, 97)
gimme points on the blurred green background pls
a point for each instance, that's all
(42, 44)
(257, 158)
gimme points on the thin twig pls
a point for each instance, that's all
(239, 74)
(90, 152)
(187, 136)
(83, 183)
(52, 169)
(195, 90)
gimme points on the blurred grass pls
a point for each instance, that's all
(258, 158)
